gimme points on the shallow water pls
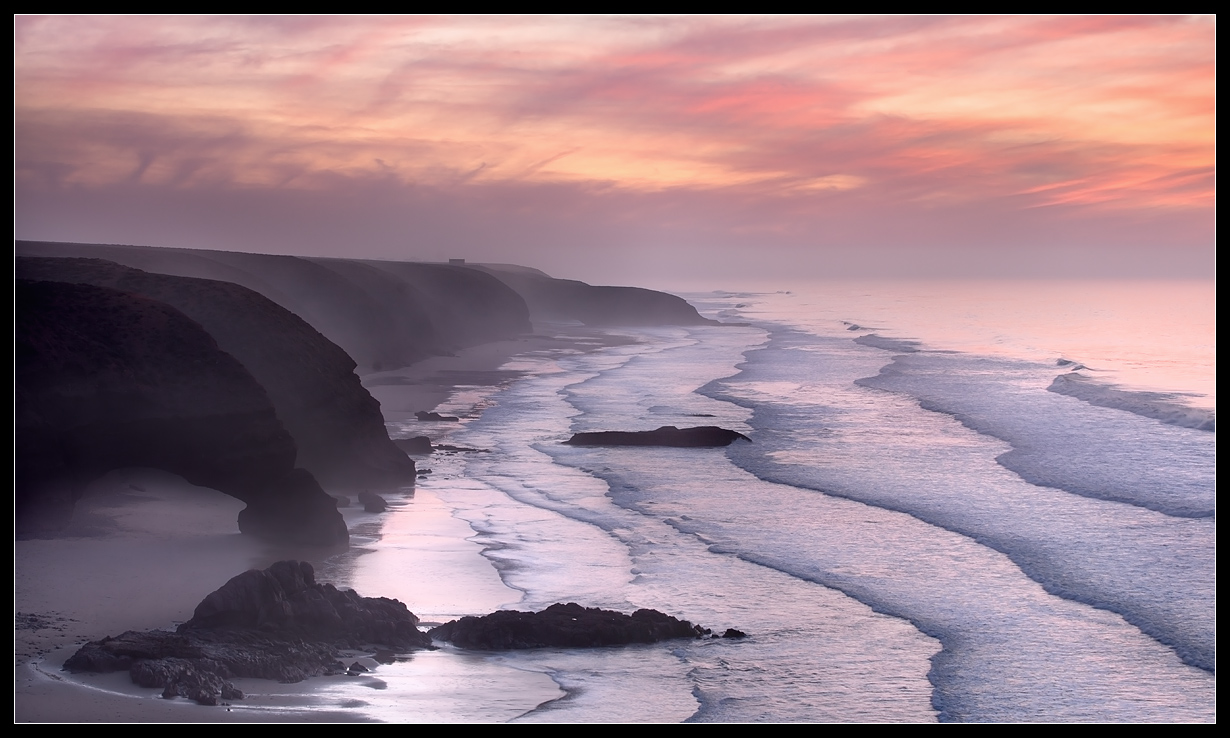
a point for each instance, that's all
(919, 530)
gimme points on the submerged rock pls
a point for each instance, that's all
(273, 624)
(563, 626)
(667, 435)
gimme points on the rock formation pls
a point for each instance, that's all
(273, 624)
(337, 425)
(419, 445)
(372, 502)
(563, 626)
(106, 380)
(281, 624)
(567, 299)
(384, 315)
(667, 435)
(389, 314)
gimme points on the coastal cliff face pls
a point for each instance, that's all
(233, 369)
(106, 379)
(567, 299)
(466, 307)
(387, 314)
(336, 424)
(384, 315)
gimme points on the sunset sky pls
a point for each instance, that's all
(623, 149)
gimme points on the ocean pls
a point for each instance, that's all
(963, 501)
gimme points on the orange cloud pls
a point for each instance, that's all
(1100, 112)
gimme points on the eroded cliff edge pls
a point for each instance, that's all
(336, 424)
(107, 379)
(292, 331)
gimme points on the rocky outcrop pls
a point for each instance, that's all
(567, 299)
(106, 380)
(465, 307)
(384, 315)
(337, 425)
(273, 624)
(563, 626)
(286, 599)
(419, 445)
(390, 314)
(372, 502)
(667, 435)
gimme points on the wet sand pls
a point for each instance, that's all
(423, 386)
(149, 547)
(145, 547)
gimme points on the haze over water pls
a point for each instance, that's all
(925, 225)
(1157, 335)
(889, 562)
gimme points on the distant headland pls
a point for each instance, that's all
(240, 372)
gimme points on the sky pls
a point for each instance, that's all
(631, 149)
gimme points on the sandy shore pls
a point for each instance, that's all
(143, 550)
(423, 386)
(150, 547)
(145, 547)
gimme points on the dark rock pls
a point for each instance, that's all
(337, 425)
(464, 307)
(385, 315)
(107, 380)
(203, 681)
(294, 509)
(286, 599)
(563, 626)
(342, 500)
(434, 417)
(272, 624)
(202, 661)
(568, 299)
(667, 435)
(372, 502)
(416, 445)
(732, 633)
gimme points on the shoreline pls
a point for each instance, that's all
(145, 547)
(424, 385)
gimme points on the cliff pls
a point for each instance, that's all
(390, 314)
(106, 379)
(384, 315)
(238, 371)
(567, 299)
(336, 424)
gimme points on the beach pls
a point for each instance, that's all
(313, 314)
(145, 547)
(879, 539)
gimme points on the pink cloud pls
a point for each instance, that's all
(1097, 117)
